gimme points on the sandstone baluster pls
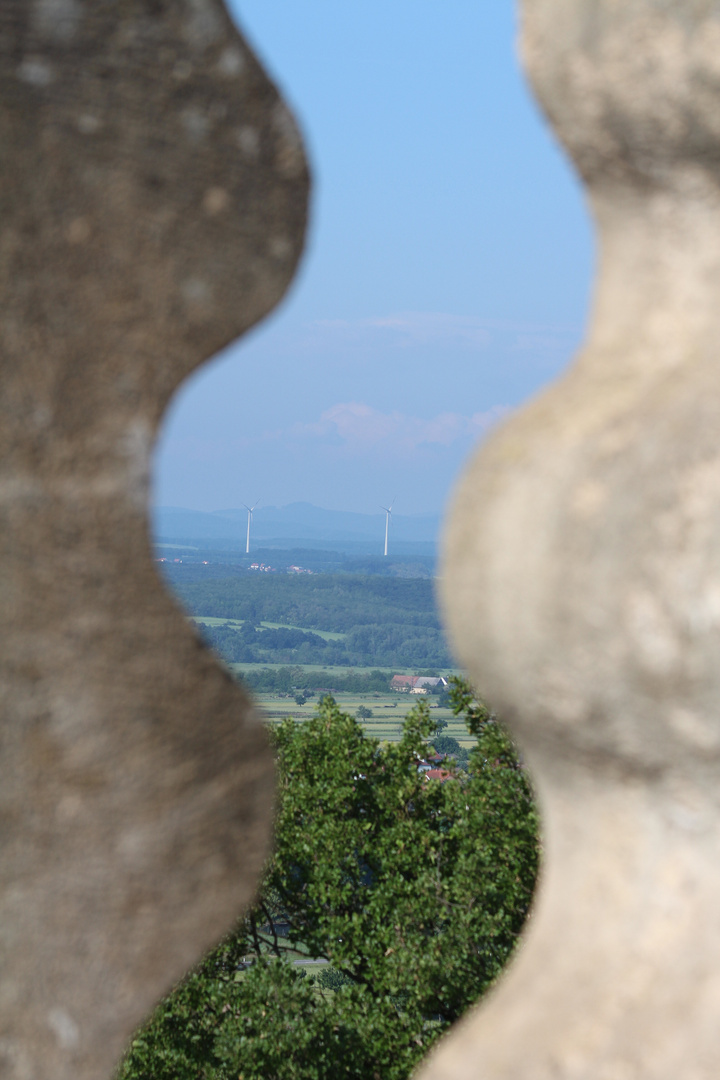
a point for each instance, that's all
(152, 208)
(582, 576)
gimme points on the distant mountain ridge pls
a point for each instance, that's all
(297, 521)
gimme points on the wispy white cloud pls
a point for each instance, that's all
(361, 428)
(418, 328)
(454, 333)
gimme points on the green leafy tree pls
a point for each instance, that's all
(413, 890)
(446, 744)
(330, 979)
(363, 713)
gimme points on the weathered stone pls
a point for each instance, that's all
(152, 208)
(582, 576)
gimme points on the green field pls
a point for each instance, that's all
(389, 711)
(327, 634)
(339, 669)
(361, 631)
(178, 547)
(211, 620)
(325, 619)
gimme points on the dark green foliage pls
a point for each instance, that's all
(361, 647)
(386, 621)
(288, 679)
(429, 883)
(363, 713)
(413, 890)
(330, 979)
(445, 744)
(334, 602)
(282, 1029)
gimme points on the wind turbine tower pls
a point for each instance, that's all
(388, 512)
(250, 514)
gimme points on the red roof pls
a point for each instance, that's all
(438, 774)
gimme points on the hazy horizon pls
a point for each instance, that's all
(242, 509)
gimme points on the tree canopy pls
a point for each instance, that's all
(372, 620)
(413, 890)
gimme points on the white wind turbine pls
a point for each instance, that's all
(388, 512)
(250, 514)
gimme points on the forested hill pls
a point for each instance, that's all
(369, 621)
(332, 602)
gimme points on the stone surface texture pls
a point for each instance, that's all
(152, 207)
(582, 576)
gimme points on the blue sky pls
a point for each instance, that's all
(446, 275)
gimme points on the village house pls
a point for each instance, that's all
(416, 684)
(438, 774)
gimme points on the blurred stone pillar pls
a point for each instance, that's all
(152, 208)
(582, 576)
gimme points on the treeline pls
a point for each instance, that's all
(284, 680)
(385, 622)
(363, 646)
(333, 602)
